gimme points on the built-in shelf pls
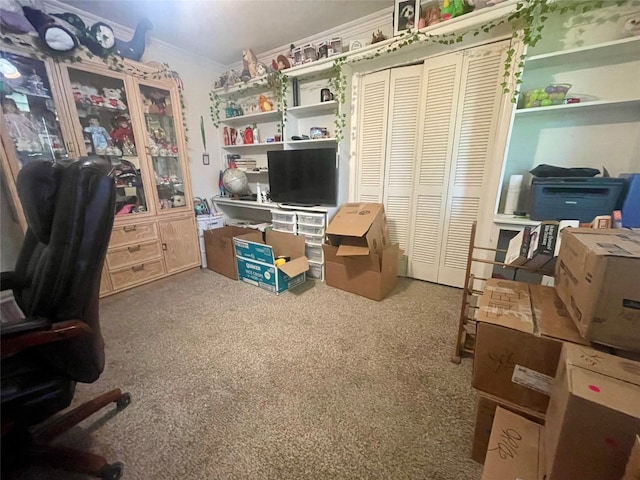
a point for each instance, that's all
(305, 111)
(311, 141)
(261, 117)
(624, 48)
(254, 147)
(254, 172)
(503, 219)
(582, 107)
(266, 206)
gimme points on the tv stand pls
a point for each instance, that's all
(297, 205)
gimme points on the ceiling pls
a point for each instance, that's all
(220, 29)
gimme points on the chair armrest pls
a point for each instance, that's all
(60, 331)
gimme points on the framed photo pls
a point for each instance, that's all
(405, 16)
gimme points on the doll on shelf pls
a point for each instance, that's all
(99, 135)
(23, 130)
(122, 135)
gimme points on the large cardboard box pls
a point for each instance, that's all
(218, 244)
(373, 276)
(593, 416)
(516, 450)
(632, 472)
(256, 260)
(485, 413)
(597, 277)
(359, 229)
(520, 331)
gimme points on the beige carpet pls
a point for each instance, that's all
(231, 382)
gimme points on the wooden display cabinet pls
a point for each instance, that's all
(53, 111)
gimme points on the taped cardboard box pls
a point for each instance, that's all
(485, 413)
(359, 229)
(373, 276)
(256, 260)
(632, 472)
(516, 449)
(520, 331)
(594, 415)
(597, 275)
(218, 244)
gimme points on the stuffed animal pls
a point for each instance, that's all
(249, 62)
(112, 98)
(78, 93)
(122, 133)
(92, 95)
(430, 16)
(265, 105)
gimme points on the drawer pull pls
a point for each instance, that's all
(129, 228)
(164, 246)
(137, 268)
(135, 248)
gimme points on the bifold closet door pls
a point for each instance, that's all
(477, 118)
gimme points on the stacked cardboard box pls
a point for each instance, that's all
(520, 332)
(359, 257)
(537, 247)
(591, 424)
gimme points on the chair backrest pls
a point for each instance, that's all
(69, 207)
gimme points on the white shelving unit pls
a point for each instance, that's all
(243, 120)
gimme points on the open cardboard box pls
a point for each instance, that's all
(520, 331)
(358, 229)
(256, 260)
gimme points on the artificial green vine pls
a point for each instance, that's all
(214, 108)
(338, 85)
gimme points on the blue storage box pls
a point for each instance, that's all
(256, 261)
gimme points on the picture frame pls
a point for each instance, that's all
(205, 159)
(405, 16)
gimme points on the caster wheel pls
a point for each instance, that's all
(123, 400)
(112, 471)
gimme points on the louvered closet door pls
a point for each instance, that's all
(438, 104)
(480, 100)
(402, 133)
(372, 136)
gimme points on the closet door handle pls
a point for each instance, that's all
(134, 248)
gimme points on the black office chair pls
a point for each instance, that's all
(69, 208)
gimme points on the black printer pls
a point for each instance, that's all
(574, 198)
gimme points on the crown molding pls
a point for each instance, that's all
(54, 6)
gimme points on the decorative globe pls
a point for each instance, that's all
(235, 181)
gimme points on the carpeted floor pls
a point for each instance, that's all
(231, 382)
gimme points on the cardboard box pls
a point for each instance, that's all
(520, 332)
(597, 275)
(373, 276)
(516, 450)
(485, 413)
(542, 244)
(518, 248)
(359, 229)
(632, 472)
(593, 416)
(256, 260)
(218, 244)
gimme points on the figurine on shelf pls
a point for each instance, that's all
(265, 104)
(99, 136)
(122, 135)
(22, 129)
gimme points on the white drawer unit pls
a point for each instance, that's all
(316, 270)
(284, 226)
(307, 218)
(313, 239)
(283, 216)
(304, 229)
(314, 253)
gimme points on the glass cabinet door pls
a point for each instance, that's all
(102, 110)
(162, 146)
(29, 110)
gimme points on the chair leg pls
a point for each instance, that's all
(78, 414)
(72, 460)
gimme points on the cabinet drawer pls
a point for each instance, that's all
(132, 254)
(133, 234)
(130, 276)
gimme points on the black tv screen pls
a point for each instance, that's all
(303, 177)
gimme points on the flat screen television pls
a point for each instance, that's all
(303, 177)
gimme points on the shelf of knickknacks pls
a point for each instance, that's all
(261, 117)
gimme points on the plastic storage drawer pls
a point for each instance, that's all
(284, 227)
(283, 216)
(310, 229)
(311, 218)
(313, 239)
(316, 270)
(314, 253)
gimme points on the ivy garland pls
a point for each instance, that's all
(338, 85)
